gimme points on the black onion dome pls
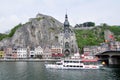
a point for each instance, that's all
(66, 23)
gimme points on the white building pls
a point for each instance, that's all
(38, 52)
(22, 53)
(32, 53)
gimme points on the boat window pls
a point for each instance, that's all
(87, 63)
(66, 61)
(75, 61)
(71, 62)
(81, 61)
(69, 66)
(59, 63)
(81, 66)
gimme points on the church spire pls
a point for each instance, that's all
(66, 17)
(66, 23)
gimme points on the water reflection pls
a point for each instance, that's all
(107, 74)
(116, 73)
(37, 71)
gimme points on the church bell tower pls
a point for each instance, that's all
(67, 39)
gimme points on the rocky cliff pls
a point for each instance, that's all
(42, 30)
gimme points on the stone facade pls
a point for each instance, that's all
(67, 39)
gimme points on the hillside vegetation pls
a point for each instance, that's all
(95, 36)
(88, 37)
(13, 30)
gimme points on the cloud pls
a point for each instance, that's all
(14, 12)
(8, 22)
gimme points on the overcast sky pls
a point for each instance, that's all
(13, 12)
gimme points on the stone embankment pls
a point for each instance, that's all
(29, 60)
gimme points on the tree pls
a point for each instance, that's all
(88, 24)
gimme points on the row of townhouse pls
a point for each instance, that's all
(30, 52)
(114, 45)
(12, 53)
(56, 52)
(90, 51)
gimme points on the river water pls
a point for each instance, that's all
(37, 71)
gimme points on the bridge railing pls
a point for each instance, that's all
(99, 52)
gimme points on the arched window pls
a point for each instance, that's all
(67, 52)
(67, 45)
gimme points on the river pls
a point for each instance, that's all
(37, 71)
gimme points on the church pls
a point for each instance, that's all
(67, 39)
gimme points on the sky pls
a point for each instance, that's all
(13, 12)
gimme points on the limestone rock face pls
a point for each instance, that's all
(42, 30)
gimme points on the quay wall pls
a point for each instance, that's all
(29, 60)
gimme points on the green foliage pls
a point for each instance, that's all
(2, 36)
(88, 24)
(14, 30)
(85, 24)
(116, 31)
(88, 37)
(95, 36)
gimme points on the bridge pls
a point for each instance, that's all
(110, 57)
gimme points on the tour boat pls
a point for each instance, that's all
(75, 64)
